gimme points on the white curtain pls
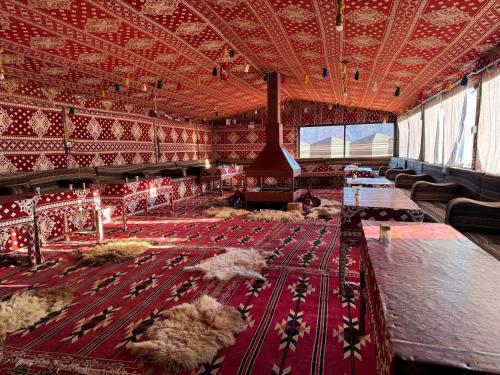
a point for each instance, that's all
(454, 112)
(488, 142)
(415, 134)
(433, 115)
(403, 136)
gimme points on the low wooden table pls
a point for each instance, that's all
(375, 182)
(434, 300)
(374, 204)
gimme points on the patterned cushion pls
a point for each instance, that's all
(415, 165)
(490, 188)
(469, 180)
(437, 172)
(434, 211)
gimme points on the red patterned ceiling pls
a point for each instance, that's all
(85, 45)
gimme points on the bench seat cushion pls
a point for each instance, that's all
(434, 212)
(490, 188)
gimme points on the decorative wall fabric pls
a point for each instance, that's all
(488, 150)
(181, 141)
(242, 142)
(30, 138)
(100, 139)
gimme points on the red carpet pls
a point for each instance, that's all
(297, 324)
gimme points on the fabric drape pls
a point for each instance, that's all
(488, 141)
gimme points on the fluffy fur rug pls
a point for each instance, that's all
(117, 251)
(246, 263)
(190, 334)
(327, 211)
(27, 307)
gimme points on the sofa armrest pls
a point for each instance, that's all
(391, 174)
(473, 215)
(382, 170)
(406, 181)
(440, 192)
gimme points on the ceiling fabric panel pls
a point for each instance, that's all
(87, 46)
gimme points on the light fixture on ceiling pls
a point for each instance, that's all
(375, 87)
(339, 20)
(247, 68)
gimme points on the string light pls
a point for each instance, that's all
(339, 20)
(2, 71)
(214, 72)
(247, 68)
(375, 87)
(325, 72)
(449, 85)
(117, 87)
(356, 75)
(159, 84)
(306, 78)
(144, 87)
(464, 81)
(397, 93)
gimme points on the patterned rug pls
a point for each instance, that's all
(297, 323)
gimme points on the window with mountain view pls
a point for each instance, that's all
(339, 141)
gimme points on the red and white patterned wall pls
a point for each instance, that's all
(32, 138)
(241, 142)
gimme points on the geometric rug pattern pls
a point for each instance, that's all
(297, 322)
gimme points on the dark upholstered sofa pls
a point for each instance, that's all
(394, 163)
(468, 200)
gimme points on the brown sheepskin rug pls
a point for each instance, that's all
(190, 334)
(27, 307)
(266, 215)
(115, 251)
(326, 211)
(234, 262)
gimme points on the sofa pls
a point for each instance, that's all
(466, 199)
(394, 163)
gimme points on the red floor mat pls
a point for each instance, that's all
(297, 322)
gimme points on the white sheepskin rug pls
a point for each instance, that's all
(234, 262)
(27, 307)
(190, 334)
(114, 251)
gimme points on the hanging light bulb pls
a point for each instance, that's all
(464, 81)
(356, 75)
(159, 84)
(325, 72)
(126, 81)
(247, 68)
(207, 163)
(339, 19)
(397, 93)
(117, 87)
(232, 54)
(72, 110)
(305, 110)
(266, 77)
(306, 78)
(144, 87)
(375, 87)
(330, 107)
(214, 71)
(103, 93)
(449, 85)
(2, 72)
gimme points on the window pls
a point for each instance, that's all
(339, 141)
